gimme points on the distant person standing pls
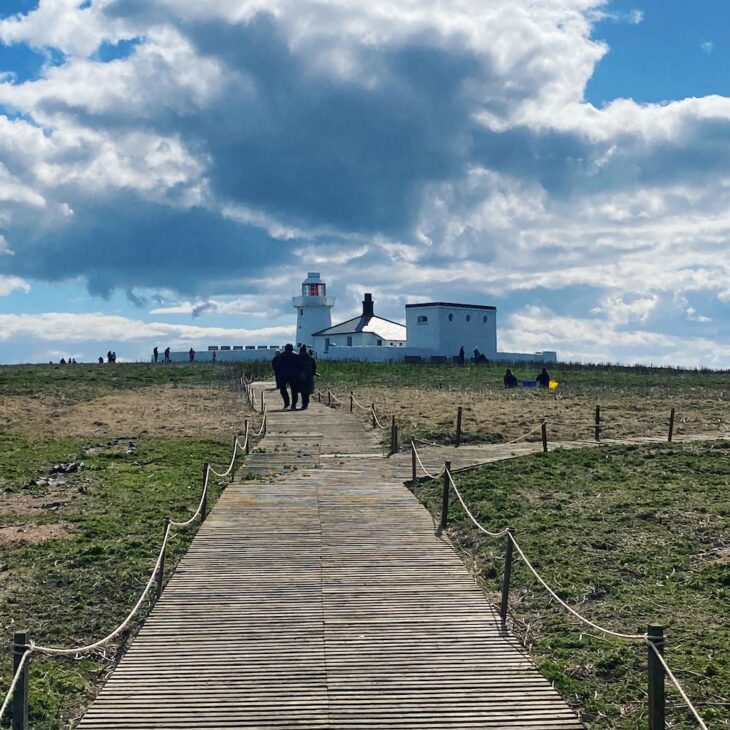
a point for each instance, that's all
(461, 355)
(167, 354)
(543, 378)
(289, 374)
(510, 381)
(155, 354)
(101, 360)
(477, 355)
(307, 371)
(191, 355)
(109, 356)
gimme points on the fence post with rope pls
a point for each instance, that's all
(161, 570)
(352, 401)
(247, 450)
(204, 499)
(20, 668)
(507, 577)
(459, 411)
(598, 423)
(445, 499)
(372, 409)
(671, 426)
(393, 436)
(655, 683)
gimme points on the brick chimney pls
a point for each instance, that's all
(367, 305)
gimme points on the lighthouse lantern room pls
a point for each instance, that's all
(313, 308)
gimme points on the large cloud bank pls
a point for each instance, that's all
(436, 149)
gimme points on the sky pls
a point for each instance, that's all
(170, 170)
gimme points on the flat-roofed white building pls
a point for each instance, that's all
(444, 327)
(367, 330)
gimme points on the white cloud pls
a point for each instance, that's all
(708, 47)
(9, 284)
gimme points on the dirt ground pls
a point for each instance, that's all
(155, 411)
(503, 415)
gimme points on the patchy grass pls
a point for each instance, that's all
(628, 536)
(634, 402)
(77, 548)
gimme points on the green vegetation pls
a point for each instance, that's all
(628, 536)
(339, 375)
(77, 548)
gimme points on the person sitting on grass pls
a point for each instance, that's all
(543, 379)
(510, 381)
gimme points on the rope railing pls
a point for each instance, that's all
(156, 578)
(647, 638)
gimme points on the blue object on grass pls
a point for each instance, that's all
(529, 383)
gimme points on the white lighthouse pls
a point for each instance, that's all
(313, 308)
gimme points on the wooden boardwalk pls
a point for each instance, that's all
(320, 598)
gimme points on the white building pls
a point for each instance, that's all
(443, 328)
(313, 309)
(367, 330)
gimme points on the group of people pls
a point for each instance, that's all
(477, 356)
(294, 373)
(156, 354)
(542, 379)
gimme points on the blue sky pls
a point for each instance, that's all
(169, 171)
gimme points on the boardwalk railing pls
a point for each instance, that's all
(24, 648)
(657, 668)
(596, 426)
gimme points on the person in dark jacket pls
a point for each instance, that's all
(275, 368)
(155, 353)
(307, 370)
(461, 355)
(510, 381)
(543, 378)
(289, 373)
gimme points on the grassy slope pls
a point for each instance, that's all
(75, 589)
(629, 536)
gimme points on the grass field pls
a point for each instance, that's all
(77, 548)
(628, 536)
(634, 402)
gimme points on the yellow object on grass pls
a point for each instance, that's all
(553, 384)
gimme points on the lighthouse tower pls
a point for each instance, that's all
(313, 309)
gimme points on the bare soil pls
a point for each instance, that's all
(33, 534)
(155, 411)
(502, 415)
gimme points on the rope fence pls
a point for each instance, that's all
(654, 638)
(24, 649)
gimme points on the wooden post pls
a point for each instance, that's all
(414, 474)
(319, 396)
(352, 403)
(504, 606)
(233, 468)
(372, 408)
(393, 436)
(248, 434)
(598, 423)
(329, 397)
(458, 426)
(445, 500)
(20, 698)
(205, 494)
(671, 426)
(543, 428)
(161, 573)
(655, 636)
(262, 401)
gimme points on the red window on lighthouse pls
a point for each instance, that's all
(315, 290)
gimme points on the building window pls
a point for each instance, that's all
(301, 312)
(468, 317)
(380, 343)
(422, 319)
(485, 318)
(349, 341)
(326, 344)
(451, 318)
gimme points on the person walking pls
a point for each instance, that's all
(307, 371)
(167, 354)
(275, 367)
(191, 354)
(289, 374)
(155, 354)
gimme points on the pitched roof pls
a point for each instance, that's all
(370, 323)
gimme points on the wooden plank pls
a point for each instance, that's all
(321, 598)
